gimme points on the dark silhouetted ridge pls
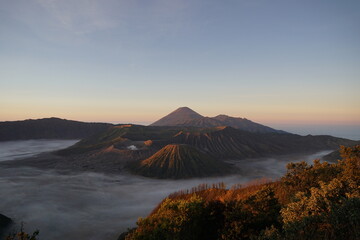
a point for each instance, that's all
(5, 223)
(245, 124)
(49, 128)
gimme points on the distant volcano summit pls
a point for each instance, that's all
(178, 117)
(186, 117)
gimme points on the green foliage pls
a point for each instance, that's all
(176, 219)
(246, 218)
(301, 177)
(342, 222)
(328, 210)
(319, 201)
(345, 220)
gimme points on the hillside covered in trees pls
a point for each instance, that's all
(319, 201)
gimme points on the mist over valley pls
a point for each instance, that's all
(89, 205)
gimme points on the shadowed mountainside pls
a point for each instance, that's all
(49, 128)
(227, 143)
(332, 157)
(186, 117)
(244, 124)
(5, 223)
(180, 161)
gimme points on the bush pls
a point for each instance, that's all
(22, 235)
(319, 201)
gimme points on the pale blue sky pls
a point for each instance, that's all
(275, 62)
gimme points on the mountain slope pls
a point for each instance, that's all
(177, 117)
(5, 223)
(122, 146)
(219, 142)
(204, 122)
(180, 161)
(188, 118)
(332, 157)
(49, 128)
(122, 137)
(244, 124)
(227, 143)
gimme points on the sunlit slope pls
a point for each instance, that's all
(180, 161)
(122, 136)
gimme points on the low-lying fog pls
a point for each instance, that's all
(88, 205)
(12, 150)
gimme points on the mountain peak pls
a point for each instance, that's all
(180, 115)
(221, 117)
(185, 110)
(226, 117)
(185, 116)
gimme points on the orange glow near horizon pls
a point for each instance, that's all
(146, 116)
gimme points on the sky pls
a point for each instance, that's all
(282, 62)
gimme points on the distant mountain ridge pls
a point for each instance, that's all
(186, 117)
(49, 128)
(196, 146)
(56, 128)
(189, 149)
(231, 143)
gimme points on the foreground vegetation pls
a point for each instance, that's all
(22, 235)
(319, 201)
